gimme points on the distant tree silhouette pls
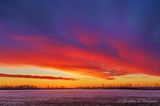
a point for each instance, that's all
(120, 86)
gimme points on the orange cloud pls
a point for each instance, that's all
(84, 59)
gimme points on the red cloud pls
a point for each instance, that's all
(68, 57)
(35, 77)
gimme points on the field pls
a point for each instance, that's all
(79, 97)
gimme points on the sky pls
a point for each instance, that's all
(79, 42)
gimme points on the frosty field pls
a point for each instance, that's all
(79, 97)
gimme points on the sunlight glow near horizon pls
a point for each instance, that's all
(83, 81)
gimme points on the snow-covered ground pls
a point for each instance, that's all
(79, 97)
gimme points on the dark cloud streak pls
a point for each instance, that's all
(35, 77)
